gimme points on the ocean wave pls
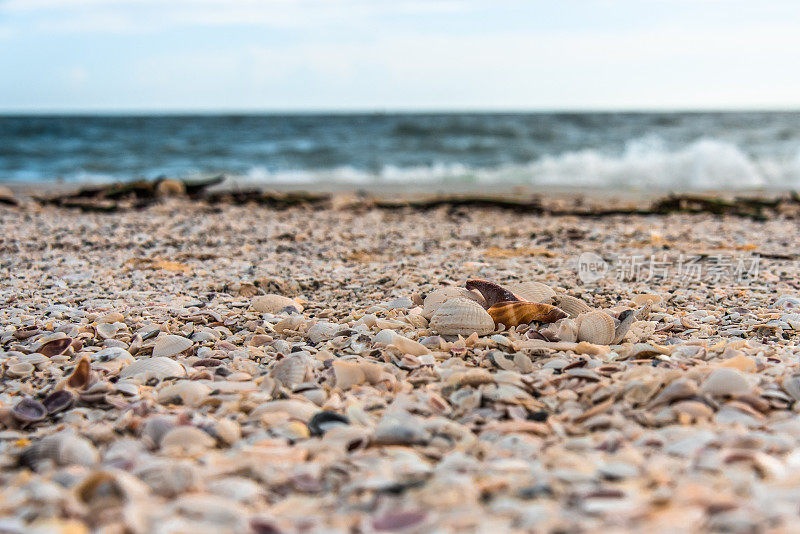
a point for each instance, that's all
(645, 163)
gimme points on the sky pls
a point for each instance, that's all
(397, 55)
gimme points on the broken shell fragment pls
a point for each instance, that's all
(79, 378)
(461, 317)
(518, 313)
(596, 327)
(186, 392)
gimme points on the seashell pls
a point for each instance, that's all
(29, 410)
(626, 319)
(461, 316)
(296, 409)
(725, 381)
(237, 488)
(292, 370)
(63, 448)
(644, 299)
(322, 331)
(167, 477)
(323, 421)
(168, 345)
(676, 390)
(596, 327)
(290, 323)
(275, 304)
(348, 373)
(158, 368)
(227, 430)
(562, 330)
(186, 440)
(572, 305)
(533, 292)
(401, 343)
(156, 427)
(54, 347)
(791, 384)
(492, 293)
(439, 296)
(170, 188)
(518, 313)
(109, 330)
(110, 317)
(188, 392)
(19, 369)
(79, 378)
(400, 428)
(58, 401)
(34, 358)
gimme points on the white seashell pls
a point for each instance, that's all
(169, 345)
(725, 381)
(158, 368)
(295, 408)
(572, 305)
(533, 292)
(109, 330)
(189, 392)
(439, 296)
(348, 373)
(19, 369)
(156, 427)
(461, 316)
(322, 331)
(63, 448)
(563, 330)
(402, 343)
(239, 489)
(292, 370)
(275, 304)
(168, 477)
(186, 440)
(596, 327)
(791, 384)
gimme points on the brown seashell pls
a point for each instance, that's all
(572, 305)
(596, 327)
(29, 410)
(518, 313)
(275, 304)
(461, 317)
(80, 375)
(439, 296)
(54, 347)
(533, 292)
(491, 292)
(58, 401)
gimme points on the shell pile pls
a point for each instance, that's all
(186, 368)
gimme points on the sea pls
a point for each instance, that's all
(633, 151)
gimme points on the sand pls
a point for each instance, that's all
(151, 383)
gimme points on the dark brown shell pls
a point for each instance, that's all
(79, 378)
(492, 292)
(55, 347)
(516, 313)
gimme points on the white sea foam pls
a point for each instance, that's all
(645, 163)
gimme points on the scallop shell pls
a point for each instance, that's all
(167, 477)
(275, 304)
(439, 296)
(170, 345)
(64, 448)
(533, 292)
(572, 305)
(596, 327)
(491, 292)
(517, 313)
(157, 367)
(292, 370)
(189, 392)
(461, 316)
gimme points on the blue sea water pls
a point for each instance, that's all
(607, 150)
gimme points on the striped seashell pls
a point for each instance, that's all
(63, 448)
(461, 317)
(275, 304)
(572, 305)
(533, 292)
(439, 296)
(292, 370)
(492, 293)
(188, 392)
(168, 345)
(518, 313)
(158, 368)
(596, 327)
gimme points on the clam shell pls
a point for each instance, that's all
(596, 327)
(322, 331)
(19, 369)
(533, 292)
(168, 477)
(188, 392)
(439, 296)
(170, 345)
(275, 304)
(491, 292)
(54, 347)
(63, 448)
(292, 370)
(29, 410)
(79, 378)
(572, 305)
(186, 440)
(158, 368)
(58, 401)
(461, 316)
(517, 313)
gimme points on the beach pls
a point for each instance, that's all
(221, 367)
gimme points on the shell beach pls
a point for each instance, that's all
(199, 367)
